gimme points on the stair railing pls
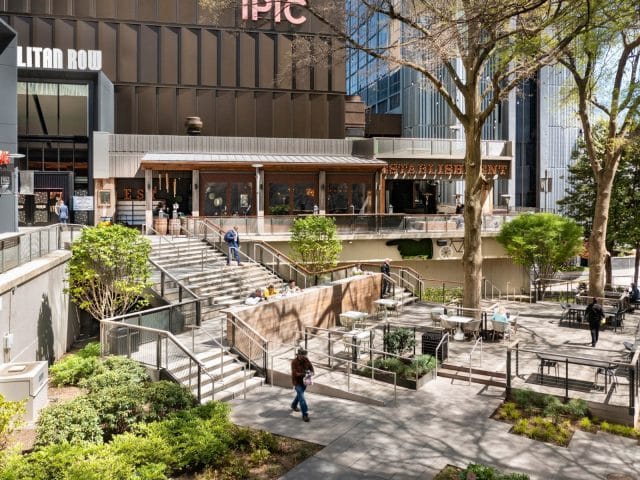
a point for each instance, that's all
(442, 341)
(164, 274)
(281, 265)
(152, 347)
(245, 340)
(492, 291)
(214, 236)
(478, 341)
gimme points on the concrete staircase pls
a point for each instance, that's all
(484, 377)
(203, 270)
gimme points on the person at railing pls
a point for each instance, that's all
(357, 269)
(255, 297)
(233, 242)
(271, 291)
(386, 273)
(301, 369)
(291, 288)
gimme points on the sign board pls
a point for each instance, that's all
(430, 339)
(83, 204)
(6, 182)
(254, 10)
(55, 58)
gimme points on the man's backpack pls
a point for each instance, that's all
(230, 236)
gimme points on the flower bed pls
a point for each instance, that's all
(410, 373)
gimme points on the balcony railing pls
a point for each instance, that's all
(390, 224)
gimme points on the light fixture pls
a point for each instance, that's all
(148, 186)
(16, 155)
(195, 186)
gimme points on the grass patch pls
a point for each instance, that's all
(545, 418)
(477, 471)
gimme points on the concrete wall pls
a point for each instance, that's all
(279, 321)
(497, 267)
(35, 309)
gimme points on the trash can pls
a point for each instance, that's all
(119, 339)
(431, 339)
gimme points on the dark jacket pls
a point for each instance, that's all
(386, 269)
(594, 314)
(299, 367)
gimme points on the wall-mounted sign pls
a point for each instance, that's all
(82, 204)
(55, 58)
(254, 9)
(442, 169)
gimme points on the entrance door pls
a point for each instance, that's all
(40, 208)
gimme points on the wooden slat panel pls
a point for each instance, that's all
(128, 53)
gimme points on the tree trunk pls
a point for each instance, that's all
(472, 257)
(597, 246)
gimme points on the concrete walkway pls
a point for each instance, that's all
(442, 424)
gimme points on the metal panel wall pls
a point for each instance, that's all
(239, 81)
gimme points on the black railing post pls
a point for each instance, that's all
(180, 293)
(414, 343)
(162, 279)
(158, 352)
(566, 379)
(632, 388)
(306, 340)
(443, 292)
(198, 313)
(508, 387)
(171, 318)
(200, 385)
(517, 359)
(329, 348)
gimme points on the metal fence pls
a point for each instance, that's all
(26, 246)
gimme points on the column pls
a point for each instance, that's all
(195, 193)
(322, 196)
(148, 198)
(260, 200)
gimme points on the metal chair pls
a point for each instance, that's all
(565, 311)
(500, 328)
(448, 326)
(436, 317)
(472, 328)
(549, 364)
(609, 374)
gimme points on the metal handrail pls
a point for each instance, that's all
(170, 337)
(349, 368)
(444, 337)
(152, 310)
(261, 342)
(215, 229)
(163, 271)
(479, 340)
(493, 288)
(211, 337)
(303, 272)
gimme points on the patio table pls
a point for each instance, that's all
(459, 335)
(386, 304)
(349, 318)
(547, 358)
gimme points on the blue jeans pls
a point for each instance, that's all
(233, 250)
(300, 400)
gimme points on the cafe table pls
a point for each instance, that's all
(459, 335)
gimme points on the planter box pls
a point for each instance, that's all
(400, 380)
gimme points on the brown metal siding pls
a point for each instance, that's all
(238, 82)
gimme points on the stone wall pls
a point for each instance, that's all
(281, 320)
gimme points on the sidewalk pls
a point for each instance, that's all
(442, 424)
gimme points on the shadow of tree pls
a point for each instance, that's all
(45, 332)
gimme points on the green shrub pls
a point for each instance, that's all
(399, 340)
(197, 437)
(509, 411)
(436, 294)
(539, 428)
(586, 424)
(10, 417)
(484, 472)
(118, 407)
(149, 454)
(420, 365)
(164, 397)
(72, 369)
(527, 399)
(617, 429)
(576, 408)
(90, 350)
(390, 364)
(246, 439)
(115, 371)
(74, 422)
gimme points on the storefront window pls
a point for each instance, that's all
(278, 199)
(350, 194)
(304, 197)
(215, 199)
(338, 198)
(241, 198)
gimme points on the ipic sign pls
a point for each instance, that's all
(252, 10)
(54, 58)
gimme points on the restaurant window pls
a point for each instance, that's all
(350, 194)
(215, 195)
(292, 194)
(232, 196)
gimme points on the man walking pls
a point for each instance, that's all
(63, 212)
(300, 368)
(386, 274)
(233, 242)
(594, 315)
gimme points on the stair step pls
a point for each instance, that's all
(237, 391)
(225, 383)
(456, 375)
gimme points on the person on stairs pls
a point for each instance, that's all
(233, 242)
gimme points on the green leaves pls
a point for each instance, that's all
(315, 243)
(109, 270)
(541, 242)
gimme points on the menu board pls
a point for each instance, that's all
(83, 204)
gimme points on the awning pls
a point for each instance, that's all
(212, 159)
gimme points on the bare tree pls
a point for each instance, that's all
(472, 52)
(604, 62)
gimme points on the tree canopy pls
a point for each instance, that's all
(541, 242)
(108, 270)
(315, 242)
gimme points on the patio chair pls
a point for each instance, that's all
(609, 374)
(472, 328)
(500, 328)
(436, 316)
(565, 311)
(448, 326)
(549, 364)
